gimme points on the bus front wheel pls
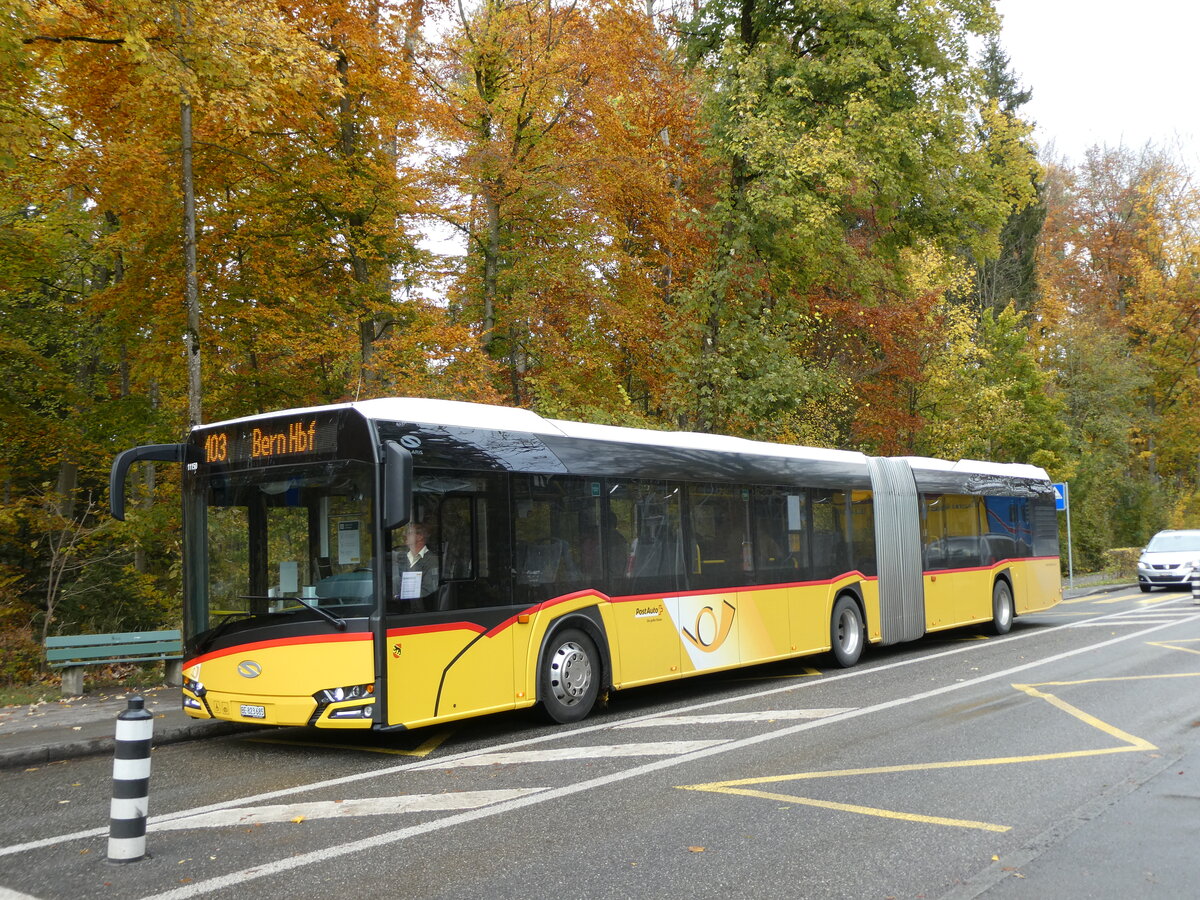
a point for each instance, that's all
(846, 632)
(569, 681)
(1002, 608)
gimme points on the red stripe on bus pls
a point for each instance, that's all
(547, 604)
(433, 629)
(566, 598)
(987, 568)
(638, 598)
(279, 642)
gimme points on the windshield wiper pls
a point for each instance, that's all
(338, 621)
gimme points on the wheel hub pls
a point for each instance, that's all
(570, 673)
(848, 634)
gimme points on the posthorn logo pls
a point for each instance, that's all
(248, 668)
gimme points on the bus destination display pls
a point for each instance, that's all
(269, 441)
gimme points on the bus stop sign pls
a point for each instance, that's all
(1060, 495)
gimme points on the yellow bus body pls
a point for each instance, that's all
(444, 672)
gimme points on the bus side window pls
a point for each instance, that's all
(952, 538)
(831, 541)
(721, 544)
(780, 535)
(458, 550)
(1024, 532)
(555, 529)
(467, 520)
(649, 513)
(862, 531)
(933, 528)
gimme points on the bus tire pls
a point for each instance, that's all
(1002, 607)
(846, 631)
(569, 680)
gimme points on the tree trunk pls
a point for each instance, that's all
(491, 269)
(191, 282)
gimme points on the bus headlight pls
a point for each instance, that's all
(340, 694)
(353, 712)
(195, 687)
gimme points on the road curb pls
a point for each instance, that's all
(18, 757)
(1097, 589)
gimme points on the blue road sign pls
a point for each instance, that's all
(1060, 495)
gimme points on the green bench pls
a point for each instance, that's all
(72, 652)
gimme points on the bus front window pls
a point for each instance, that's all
(285, 539)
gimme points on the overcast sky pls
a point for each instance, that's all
(1108, 72)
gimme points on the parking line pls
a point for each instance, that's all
(1130, 743)
(1170, 645)
(869, 811)
(761, 715)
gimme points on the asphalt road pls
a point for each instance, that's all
(1062, 759)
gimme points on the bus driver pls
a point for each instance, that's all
(418, 566)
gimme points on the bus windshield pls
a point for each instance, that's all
(282, 541)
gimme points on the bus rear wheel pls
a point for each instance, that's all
(569, 680)
(846, 632)
(1002, 608)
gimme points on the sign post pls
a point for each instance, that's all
(1062, 502)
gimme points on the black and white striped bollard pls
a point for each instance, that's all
(1196, 585)
(131, 784)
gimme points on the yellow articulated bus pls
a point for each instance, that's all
(395, 563)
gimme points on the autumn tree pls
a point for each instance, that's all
(1008, 276)
(300, 116)
(563, 134)
(1118, 328)
(855, 138)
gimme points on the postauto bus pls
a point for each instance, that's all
(396, 563)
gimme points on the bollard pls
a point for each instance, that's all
(1196, 585)
(131, 784)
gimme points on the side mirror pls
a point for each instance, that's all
(120, 468)
(397, 485)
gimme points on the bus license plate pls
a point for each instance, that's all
(249, 711)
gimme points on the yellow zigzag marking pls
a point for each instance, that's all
(1129, 744)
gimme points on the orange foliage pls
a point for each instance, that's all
(883, 349)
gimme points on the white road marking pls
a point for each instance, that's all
(332, 809)
(323, 856)
(766, 715)
(560, 754)
(1139, 617)
(375, 774)
(1178, 613)
(1132, 623)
